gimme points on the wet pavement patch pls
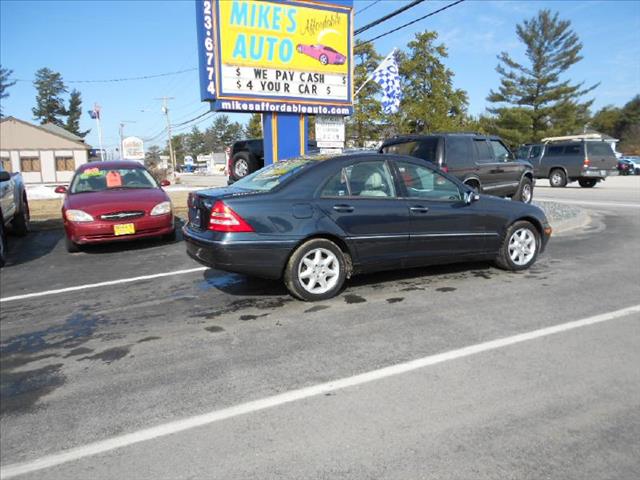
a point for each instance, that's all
(317, 308)
(244, 318)
(147, 339)
(77, 329)
(20, 391)
(245, 304)
(412, 289)
(214, 329)
(395, 299)
(445, 289)
(481, 274)
(354, 299)
(78, 351)
(110, 355)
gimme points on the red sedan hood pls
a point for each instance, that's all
(116, 200)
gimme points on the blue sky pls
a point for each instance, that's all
(85, 40)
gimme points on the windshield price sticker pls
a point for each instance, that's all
(295, 52)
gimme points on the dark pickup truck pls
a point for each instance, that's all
(14, 209)
(247, 156)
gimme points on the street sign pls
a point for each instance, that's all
(132, 149)
(329, 128)
(275, 56)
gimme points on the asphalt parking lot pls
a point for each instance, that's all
(204, 374)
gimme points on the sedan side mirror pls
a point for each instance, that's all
(165, 183)
(61, 189)
(470, 197)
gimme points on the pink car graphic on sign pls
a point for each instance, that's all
(325, 55)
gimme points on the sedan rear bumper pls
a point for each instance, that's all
(259, 258)
(101, 231)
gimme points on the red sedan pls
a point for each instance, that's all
(112, 201)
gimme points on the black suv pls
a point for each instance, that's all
(482, 162)
(247, 156)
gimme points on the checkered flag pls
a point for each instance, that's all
(387, 76)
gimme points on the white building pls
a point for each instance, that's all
(42, 153)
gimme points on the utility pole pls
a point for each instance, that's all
(165, 110)
(122, 124)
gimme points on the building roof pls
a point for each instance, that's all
(49, 129)
(56, 130)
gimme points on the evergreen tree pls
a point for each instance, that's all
(74, 113)
(5, 83)
(195, 142)
(429, 103)
(533, 101)
(254, 127)
(628, 127)
(49, 102)
(152, 156)
(364, 124)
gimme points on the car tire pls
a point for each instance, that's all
(474, 185)
(316, 270)
(557, 178)
(71, 246)
(525, 191)
(587, 182)
(21, 222)
(3, 244)
(324, 59)
(520, 247)
(242, 165)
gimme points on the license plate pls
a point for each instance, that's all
(124, 229)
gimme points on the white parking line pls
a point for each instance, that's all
(589, 203)
(101, 284)
(73, 454)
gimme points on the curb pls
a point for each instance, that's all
(562, 225)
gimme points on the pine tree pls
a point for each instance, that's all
(49, 102)
(429, 103)
(365, 122)
(5, 83)
(254, 127)
(74, 113)
(195, 141)
(533, 93)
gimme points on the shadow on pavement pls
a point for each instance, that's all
(31, 247)
(242, 285)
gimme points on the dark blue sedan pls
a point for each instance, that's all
(317, 221)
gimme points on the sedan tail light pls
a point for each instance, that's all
(586, 162)
(223, 219)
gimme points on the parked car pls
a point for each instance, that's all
(325, 55)
(14, 209)
(481, 162)
(585, 161)
(625, 167)
(247, 156)
(113, 201)
(634, 162)
(315, 222)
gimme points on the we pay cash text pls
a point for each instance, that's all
(288, 83)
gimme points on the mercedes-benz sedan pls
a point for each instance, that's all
(316, 222)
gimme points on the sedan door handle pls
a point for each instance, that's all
(419, 209)
(343, 208)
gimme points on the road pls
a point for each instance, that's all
(241, 381)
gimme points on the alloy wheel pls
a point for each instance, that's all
(526, 193)
(241, 167)
(522, 246)
(319, 271)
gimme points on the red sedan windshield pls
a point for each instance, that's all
(97, 179)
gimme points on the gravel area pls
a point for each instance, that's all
(563, 217)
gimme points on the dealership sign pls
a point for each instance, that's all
(291, 56)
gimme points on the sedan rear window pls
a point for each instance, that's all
(271, 176)
(96, 179)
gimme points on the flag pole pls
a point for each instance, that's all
(100, 138)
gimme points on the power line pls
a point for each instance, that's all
(368, 7)
(387, 17)
(389, 32)
(193, 119)
(111, 80)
